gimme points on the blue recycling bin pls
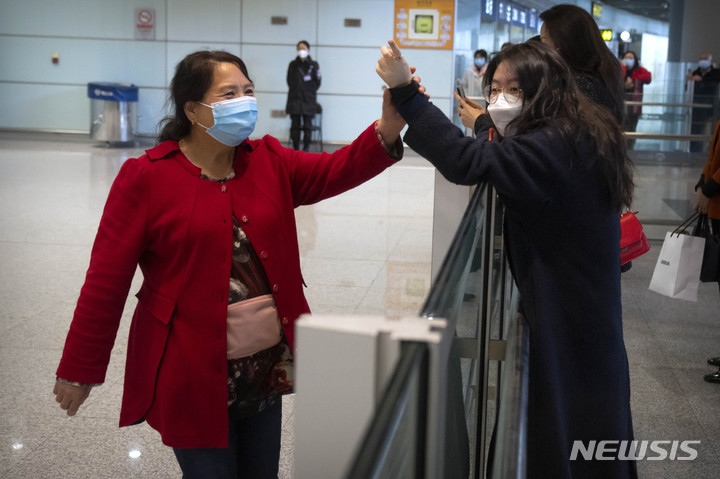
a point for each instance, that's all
(113, 111)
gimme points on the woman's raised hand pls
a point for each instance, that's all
(392, 67)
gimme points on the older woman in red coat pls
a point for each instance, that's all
(208, 216)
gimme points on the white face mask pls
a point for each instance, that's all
(503, 112)
(303, 53)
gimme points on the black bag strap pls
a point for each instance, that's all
(685, 224)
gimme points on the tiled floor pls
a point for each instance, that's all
(365, 252)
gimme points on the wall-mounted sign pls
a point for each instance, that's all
(144, 24)
(353, 22)
(607, 35)
(278, 20)
(489, 8)
(519, 16)
(532, 23)
(505, 10)
(424, 24)
(596, 9)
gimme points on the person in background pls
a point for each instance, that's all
(472, 77)
(208, 215)
(635, 78)
(559, 165)
(705, 92)
(707, 202)
(574, 33)
(303, 80)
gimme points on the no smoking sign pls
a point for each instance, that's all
(144, 24)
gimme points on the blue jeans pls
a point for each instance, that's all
(253, 450)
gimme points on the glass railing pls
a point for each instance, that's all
(394, 447)
(510, 445)
(669, 146)
(441, 428)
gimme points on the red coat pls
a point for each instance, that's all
(178, 228)
(640, 77)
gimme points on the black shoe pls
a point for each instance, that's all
(714, 361)
(713, 378)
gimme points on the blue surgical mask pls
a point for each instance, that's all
(479, 62)
(629, 62)
(234, 120)
(704, 64)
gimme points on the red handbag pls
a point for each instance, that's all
(633, 242)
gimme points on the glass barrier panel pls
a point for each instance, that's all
(394, 445)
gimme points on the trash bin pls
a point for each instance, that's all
(113, 111)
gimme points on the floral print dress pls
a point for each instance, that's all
(258, 381)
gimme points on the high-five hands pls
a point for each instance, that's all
(468, 111)
(392, 67)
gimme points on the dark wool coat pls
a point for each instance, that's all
(178, 228)
(303, 79)
(563, 242)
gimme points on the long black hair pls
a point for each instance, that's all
(193, 78)
(552, 98)
(577, 37)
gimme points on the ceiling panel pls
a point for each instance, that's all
(655, 9)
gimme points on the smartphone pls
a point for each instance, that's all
(460, 91)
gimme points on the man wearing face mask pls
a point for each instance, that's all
(707, 79)
(303, 79)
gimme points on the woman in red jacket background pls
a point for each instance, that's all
(208, 215)
(635, 77)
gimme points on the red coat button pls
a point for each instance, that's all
(264, 255)
(276, 287)
(223, 188)
(244, 219)
(285, 320)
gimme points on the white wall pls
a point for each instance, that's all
(95, 42)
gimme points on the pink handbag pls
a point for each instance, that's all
(253, 325)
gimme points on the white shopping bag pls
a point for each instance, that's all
(677, 271)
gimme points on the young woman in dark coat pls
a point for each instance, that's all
(560, 168)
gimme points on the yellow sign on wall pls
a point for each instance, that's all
(424, 24)
(607, 35)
